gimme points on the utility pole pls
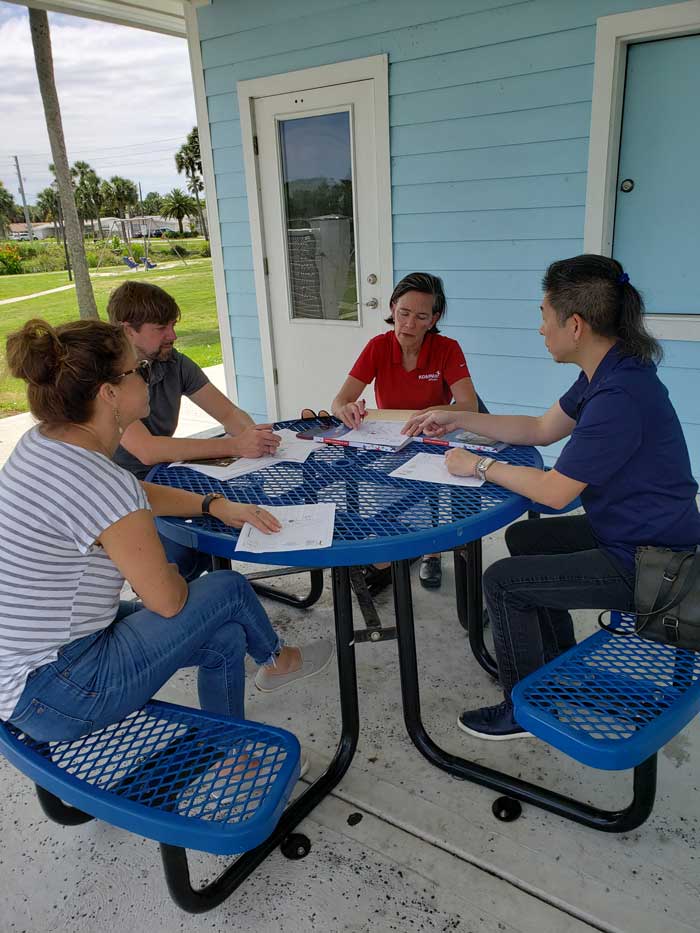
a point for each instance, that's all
(24, 200)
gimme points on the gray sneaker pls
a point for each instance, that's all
(314, 659)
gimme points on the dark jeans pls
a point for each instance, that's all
(190, 562)
(556, 566)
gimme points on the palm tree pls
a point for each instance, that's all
(47, 207)
(188, 159)
(8, 209)
(125, 194)
(43, 59)
(88, 193)
(152, 203)
(178, 205)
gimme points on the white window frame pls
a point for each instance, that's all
(613, 35)
(375, 68)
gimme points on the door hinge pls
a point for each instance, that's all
(255, 145)
(274, 376)
(266, 268)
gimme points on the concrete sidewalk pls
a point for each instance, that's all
(192, 419)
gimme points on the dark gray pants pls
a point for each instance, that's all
(555, 566)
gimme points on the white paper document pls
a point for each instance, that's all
(304, 527)
(431, 469)
(386, 433)
(291, 450)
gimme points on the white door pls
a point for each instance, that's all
(318, 192)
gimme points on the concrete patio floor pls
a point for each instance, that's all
(426, 853)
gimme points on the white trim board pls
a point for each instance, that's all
(613, 35)
(164, 16)
(375, 68)
(212, 208)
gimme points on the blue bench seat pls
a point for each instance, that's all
(611, 701)
(188, 779)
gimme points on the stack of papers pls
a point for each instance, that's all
(291, 450)
(304, 527)
(371, 435)
(468, 440)
(431, 469)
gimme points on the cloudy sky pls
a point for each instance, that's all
(126, 100)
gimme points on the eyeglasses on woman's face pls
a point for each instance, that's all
(143, 368)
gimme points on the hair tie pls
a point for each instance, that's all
(623, 279)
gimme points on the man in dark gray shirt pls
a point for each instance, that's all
(149, 315)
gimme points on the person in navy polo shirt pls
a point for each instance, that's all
(413, 367)
(626, 458)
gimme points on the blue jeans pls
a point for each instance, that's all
(556, 566)
(190, 562)
(101, 678)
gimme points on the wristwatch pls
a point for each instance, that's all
(208, 499)
(482, 466)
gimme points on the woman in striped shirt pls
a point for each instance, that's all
(74, 526)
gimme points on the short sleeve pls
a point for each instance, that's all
(95, 495)
(365, 367)
(192, 377)
(569, 401)
(608, 434)
(455, 366)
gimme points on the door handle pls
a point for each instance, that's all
(372, 303)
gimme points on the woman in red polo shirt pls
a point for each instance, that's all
(413, 367)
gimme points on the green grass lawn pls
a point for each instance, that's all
(192, 286)
(27, 284)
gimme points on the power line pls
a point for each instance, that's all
(27, 155)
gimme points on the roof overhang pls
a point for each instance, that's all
(166, 16)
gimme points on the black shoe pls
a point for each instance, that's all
(492, 722)
(377, 578)
(430, 573)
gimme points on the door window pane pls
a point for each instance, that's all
(317, 185)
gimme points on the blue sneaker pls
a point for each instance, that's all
(492, 722)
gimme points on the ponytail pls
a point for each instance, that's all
(599, 291)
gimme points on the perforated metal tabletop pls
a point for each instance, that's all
(378, 517)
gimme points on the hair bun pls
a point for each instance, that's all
(35, 353)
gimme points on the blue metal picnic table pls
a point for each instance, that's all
(377, 518)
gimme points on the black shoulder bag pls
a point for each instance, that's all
(666, 597)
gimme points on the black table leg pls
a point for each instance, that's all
(470, 603)
(271, 592)
(175, 858)
(644, 783)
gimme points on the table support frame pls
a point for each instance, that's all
(617, 821)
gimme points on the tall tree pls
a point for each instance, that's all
(43, 58)
(88, 193)
(8, 209)
(152, 203)
(188, 159)
(178, 205)
(47, 207)
(125, 194)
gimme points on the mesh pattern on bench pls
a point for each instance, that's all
(613, 700)
(187, 769)
(369, 503)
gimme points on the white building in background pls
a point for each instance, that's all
(134, 226)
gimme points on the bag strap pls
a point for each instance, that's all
(670, 576)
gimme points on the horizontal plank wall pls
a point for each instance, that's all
(490, 112)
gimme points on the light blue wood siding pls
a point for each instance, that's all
(490, 110)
